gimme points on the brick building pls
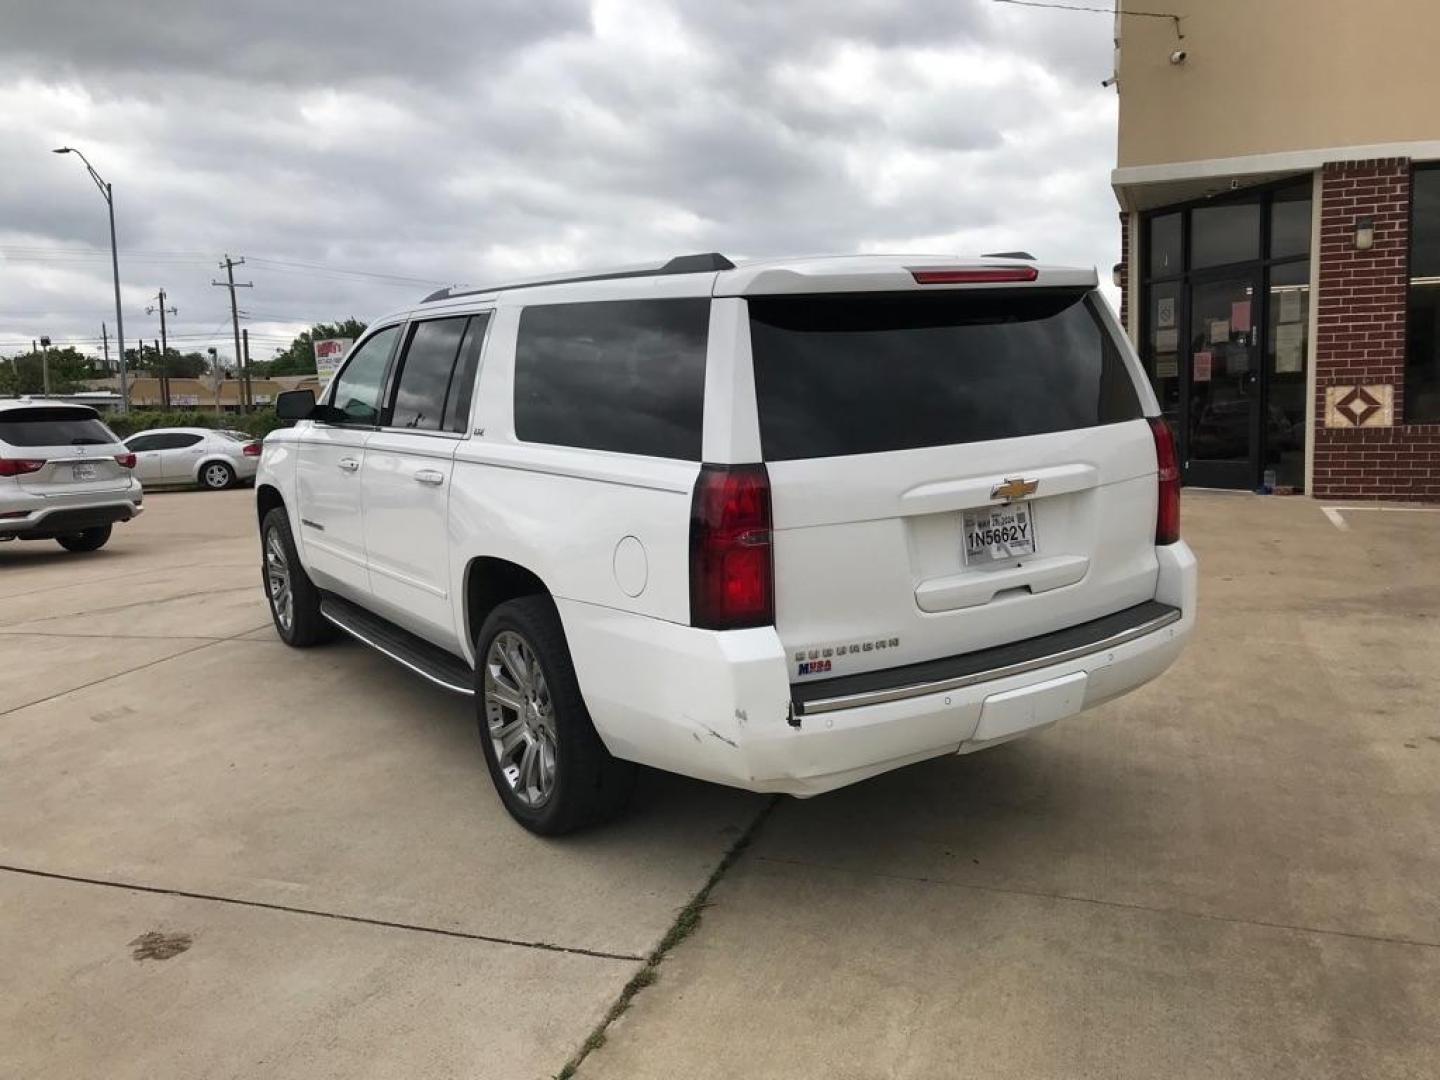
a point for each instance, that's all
(1279, 181)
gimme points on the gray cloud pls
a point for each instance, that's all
(461, 142)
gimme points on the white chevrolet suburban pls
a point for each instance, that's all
(782, 525)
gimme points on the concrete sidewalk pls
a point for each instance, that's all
(1228, 873)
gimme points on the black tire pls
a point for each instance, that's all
(212, 472)
(588, 784)
(86, 539)
(306, 625)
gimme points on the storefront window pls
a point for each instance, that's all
(1162, 347)
(1290, 222)
(1225, 315)
(1286, 356)
(1228, 233)
(1165, 249)
(1422, 358)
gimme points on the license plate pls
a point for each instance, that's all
(85, 470)
(998, 532)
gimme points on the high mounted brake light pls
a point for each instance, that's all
(732, 576)
(979, 275)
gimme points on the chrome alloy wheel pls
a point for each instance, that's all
(216, 476)
(277, 579)
(520, 718)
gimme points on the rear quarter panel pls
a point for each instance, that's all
(564, 513)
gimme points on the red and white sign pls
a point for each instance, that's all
(330, 354)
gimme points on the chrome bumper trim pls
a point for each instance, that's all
(901, 693)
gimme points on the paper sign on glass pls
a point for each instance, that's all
(1201, 366)
(1290, 306)
(1165, 312)
(1289, 349)
(1167, 367)
(1240, 315)
(1219, 331)
(1167, 341)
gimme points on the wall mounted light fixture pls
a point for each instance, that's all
(1364, 233)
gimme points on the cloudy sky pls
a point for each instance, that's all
(359, 154)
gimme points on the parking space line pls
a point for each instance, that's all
(160, 571)
(1041, 894)
(1335, 518)
(10, 631)
(206, 644)
(133, 604)
(316, 913)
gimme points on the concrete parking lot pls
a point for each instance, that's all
(222, 857)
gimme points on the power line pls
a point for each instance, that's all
(1113, 11)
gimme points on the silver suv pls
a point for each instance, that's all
(64, 475)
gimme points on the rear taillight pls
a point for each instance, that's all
(125, 461)
(20, 466)
(732, 576)
(976, 275)
(1167, 516)
(251, 449)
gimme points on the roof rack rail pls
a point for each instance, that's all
(1009, 255)
(703, 263)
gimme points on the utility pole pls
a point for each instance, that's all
(230, 283)
(163, 368)
(45, 363)
(247, 389)
(105, 344)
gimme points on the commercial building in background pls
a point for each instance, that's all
(1279, 179)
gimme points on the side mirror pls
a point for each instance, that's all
(295, 404)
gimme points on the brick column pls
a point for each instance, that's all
(1363, 447)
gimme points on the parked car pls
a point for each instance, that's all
(213, 458)
(783, 525)
(64, 475)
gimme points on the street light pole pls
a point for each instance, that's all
(109, 196)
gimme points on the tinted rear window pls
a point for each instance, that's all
(865, 374)
(53, 427)
(622, 375)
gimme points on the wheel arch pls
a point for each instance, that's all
(489, 582)
(267, 498)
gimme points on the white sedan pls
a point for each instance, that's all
(214, 459)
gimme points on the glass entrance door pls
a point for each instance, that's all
(1222, 429)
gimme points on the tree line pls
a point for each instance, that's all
(71, 369)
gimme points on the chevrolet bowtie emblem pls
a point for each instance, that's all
(1013, 488)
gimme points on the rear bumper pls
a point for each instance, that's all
(718, 706)
(49, 522)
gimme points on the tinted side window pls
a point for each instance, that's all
(141, 443)
(357, 388)
(425, 374)
(621, 375)
(870, 373)
(462, 383)
(178, 441)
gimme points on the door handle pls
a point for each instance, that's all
(432, 477)
(349, 464)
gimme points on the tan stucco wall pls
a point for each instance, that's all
(1275, 75)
